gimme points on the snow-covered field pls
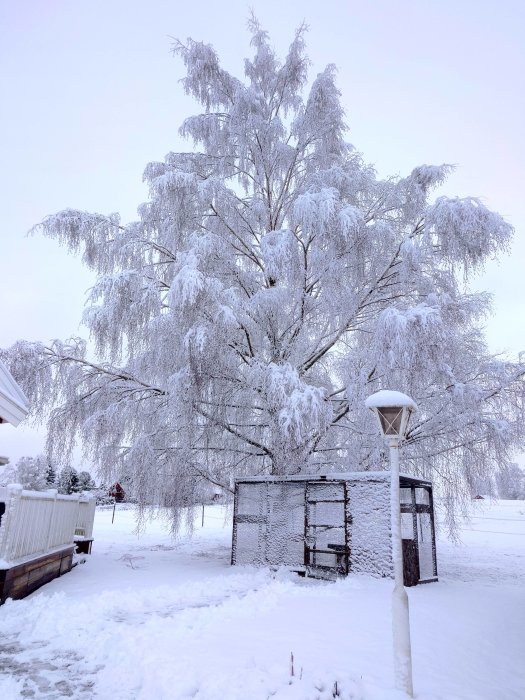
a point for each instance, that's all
(152, 619)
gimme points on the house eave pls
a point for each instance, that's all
(13, 404)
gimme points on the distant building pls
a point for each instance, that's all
(117, 492)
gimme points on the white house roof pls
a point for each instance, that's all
(14, 406)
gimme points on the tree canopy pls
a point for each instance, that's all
(269, 285)
(30, 472)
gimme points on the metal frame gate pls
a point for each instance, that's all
(326, 550)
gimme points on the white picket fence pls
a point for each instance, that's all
(39, 522)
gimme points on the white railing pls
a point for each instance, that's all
(38, 522)
(86, 515)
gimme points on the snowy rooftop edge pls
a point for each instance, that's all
(14, 405)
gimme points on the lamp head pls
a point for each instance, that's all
(393, 410)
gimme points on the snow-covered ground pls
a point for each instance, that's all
(152, 619)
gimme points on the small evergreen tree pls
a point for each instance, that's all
(74, 481)
(51, 477)
(68, 481)
(85, 482)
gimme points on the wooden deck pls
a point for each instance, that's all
(22, 579)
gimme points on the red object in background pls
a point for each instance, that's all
(117, 492)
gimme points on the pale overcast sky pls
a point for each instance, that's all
(90, 95)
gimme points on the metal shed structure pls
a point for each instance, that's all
(327, 526)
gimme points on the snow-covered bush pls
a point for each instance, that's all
(33, 473)
(510, 482)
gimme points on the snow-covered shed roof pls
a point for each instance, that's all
(337, 476)
(14, 406)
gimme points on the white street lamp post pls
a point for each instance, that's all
(393, 410)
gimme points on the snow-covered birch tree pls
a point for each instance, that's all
(271, 282)
(30, 472)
